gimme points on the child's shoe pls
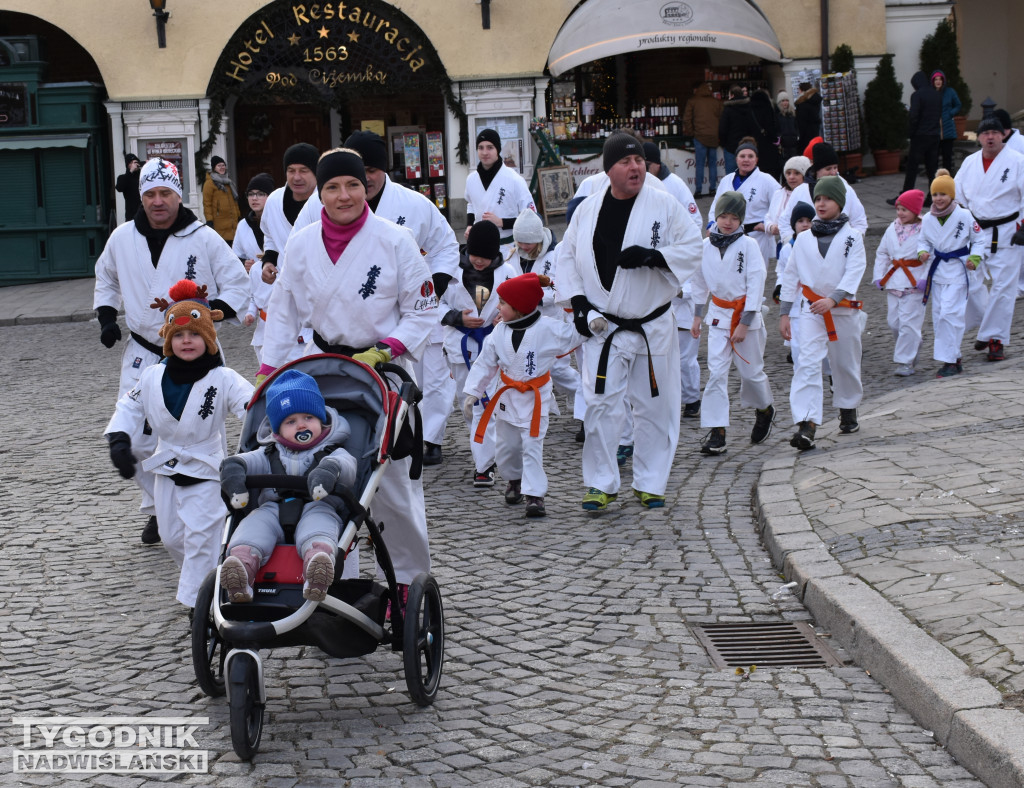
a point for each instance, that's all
(318, 569)
(803, 439)
(981, 344)
(513, 493)
(238, 572)
(714, 441)
(650, 500)
(623, 453)
(763, 421)
(484, 478)
(947, 371)
(904, 370)
(848, 421)
(535, 506)
(691, 410)
(995, 350)
(595, 499)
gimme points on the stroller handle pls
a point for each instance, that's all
(409, 391)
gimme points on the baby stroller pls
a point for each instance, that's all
(351, 621)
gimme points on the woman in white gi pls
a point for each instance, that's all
(186, 401)
(757, 189)
(494, 192)
(826, 267)
(732, 272)
(362, 286)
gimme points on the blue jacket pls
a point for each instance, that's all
(950, 106)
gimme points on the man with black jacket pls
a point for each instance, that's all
(737, 121)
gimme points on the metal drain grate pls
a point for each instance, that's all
(765, 644)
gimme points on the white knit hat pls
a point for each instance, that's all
(157, 173)
(782, 96)
(799, 163)
(528, 229)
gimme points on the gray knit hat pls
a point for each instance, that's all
(528, 228)
(831, 186)
(731, 202)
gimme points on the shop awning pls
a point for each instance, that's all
(600, 28)
(50, 141)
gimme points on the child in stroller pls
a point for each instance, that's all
(300, 436)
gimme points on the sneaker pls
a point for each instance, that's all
(236, 579)
(650, 500)
(904, 370)
(318, 569)
(622, 454)
(947, 371)
(403, 599)
(891, 200)
(151, 531)
(995, 350)
(848, 421)
(959, 365)
(763, 421)
(691, 410)
(803, 439)
(513, 494)
(714, 441)
(981, 344)
(535, 506)
(595, 499)
(432, 453)
(581, 435)
(485, 478)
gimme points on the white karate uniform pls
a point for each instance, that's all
(841, 269)
(191, 517)
(506, 197)
(125, 276)
(757, 189)
(380, 287)
(518, 454)
(276, 232)
(739, 273)
(906, 309)
(996, 194)
(245, 245)
(261, 292)
(854, 208)
(948, 296)
(689, 366)
(779, 212)
(657, 220)
(462, 351)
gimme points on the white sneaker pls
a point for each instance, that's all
(904, 370)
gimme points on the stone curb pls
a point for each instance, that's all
(935, 686)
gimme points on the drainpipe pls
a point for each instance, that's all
(824, 37)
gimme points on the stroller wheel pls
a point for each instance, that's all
(208, 649)
(246, 709)
(423, 639)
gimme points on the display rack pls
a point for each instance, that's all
(840, 111)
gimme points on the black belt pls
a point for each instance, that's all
(985, 224)
(749, 228)
(635, 324)
(154, 349)
(341, 350)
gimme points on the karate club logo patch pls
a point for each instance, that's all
(427, 289)
(693, 207)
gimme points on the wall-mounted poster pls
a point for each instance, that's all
(435, 154)
(170, 150)
(413, 165)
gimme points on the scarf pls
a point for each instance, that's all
(722, 242)
(942, 214)
(821, 228)
(220, 181)
(336, 237)
(905, 231)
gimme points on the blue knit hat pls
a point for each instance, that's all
(294, 392)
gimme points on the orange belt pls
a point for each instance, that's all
(830, 324)
(263, 315)
(904, 264)
(518, 385)
(737, 312)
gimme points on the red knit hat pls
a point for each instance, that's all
(912, 200)
(523, 293)
(809, 150)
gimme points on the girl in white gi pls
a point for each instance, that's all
(470, 305)
(522, 349)
(799, 221)
(757, 189)
(952, 244)
(733, 273)
(776, 221)
(494, 192)
(361, 284)
(248, 245)
(823, 273)
(899, 273)
(306, 437)
(186, 401)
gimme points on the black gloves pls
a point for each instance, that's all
(453, 318)
(216, 303)
(776, 293)
(110, 331)
(580, 307)
(1018, 238)
(641, 257)
(121, 454)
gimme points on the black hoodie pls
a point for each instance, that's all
(925, 107)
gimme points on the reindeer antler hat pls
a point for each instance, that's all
(189, 310)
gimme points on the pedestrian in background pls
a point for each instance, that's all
(220, 200)
(950, 107)
(925, 124)
(808, 114)
(128, 185)
(766, 133)
(735, 123)
(785, 121)
(700, 121)
(248, 245)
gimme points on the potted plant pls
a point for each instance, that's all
(940, 52)
(885, 117)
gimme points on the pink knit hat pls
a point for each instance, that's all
(912, 200)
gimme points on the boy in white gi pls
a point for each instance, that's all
(186, 400)
(896, 256)
(470, 306)
(494, 192)
(824, 272)
(952, 239)
(799, 221)
(301, 436)
(733, 273)
(522, 349)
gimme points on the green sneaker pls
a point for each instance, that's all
(595, 499)
(650, 500)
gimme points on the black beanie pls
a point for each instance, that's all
(1004, 118)
(215, 160)
(823, 155)
(261, 183)
(991, 123)
(651, 153)
(301, 153)
(484, 240)
(618, 146)
(491, 136)
(801, 211)
(371, 147)
(339, 162)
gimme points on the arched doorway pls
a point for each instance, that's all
(295, 70)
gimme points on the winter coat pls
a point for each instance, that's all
(701, 116)
(925, 107)
(808, 116)
(950, 108)
(789, 133)
(766, 134)
(735, 123)
(220, 208)
(128, 185)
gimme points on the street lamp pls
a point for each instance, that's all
(161, 14)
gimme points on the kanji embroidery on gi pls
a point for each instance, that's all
(531, 363)
(190, 267)
(501, 195)
(1006, 172)
(206, 409)
(400, 221)
(753, 191)
(655, 236)
(739, 259)
(370, 285)
(959, 229)
(849, 246)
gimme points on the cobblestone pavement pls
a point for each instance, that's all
(570, 657)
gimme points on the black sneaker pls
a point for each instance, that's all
(981, 344)
(803, 439)
(848, 419)
(714, 441)
(513, 494)
(995, 350)
(763, 420)
(891, 200)
(485, 479)
(623, 453)
(432, 453)
(947, 371)
(691, 410)
(150, 531)
(535, 506)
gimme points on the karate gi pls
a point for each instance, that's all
(520, 455)
(245, 246)
(779, 213)
(125, 275)
(191, 517)
(739, 273)
(904, 299)
(506, 197)
(854, 208)
(657, 220)
(841, 269)
(380, 287)
(757, 189)
(949, 286)
(258, 301)
(996, 197)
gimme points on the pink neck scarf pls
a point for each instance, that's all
(337, 236)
